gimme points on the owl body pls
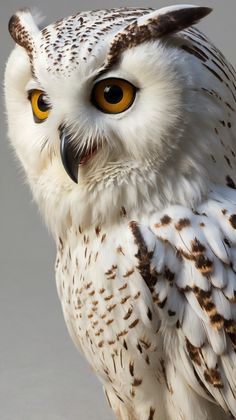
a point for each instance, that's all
(129, 149)
(126, 327)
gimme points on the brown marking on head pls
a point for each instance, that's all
(19, 34)
(156, 25)
(23, 28)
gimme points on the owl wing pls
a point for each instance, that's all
(188, 261)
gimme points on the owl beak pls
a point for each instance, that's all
(69, 158)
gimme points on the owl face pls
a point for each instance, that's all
(100, 107)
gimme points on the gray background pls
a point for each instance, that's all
(42, 377)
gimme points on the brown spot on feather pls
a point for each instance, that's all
(232, 220)
(193, 352)
(230, 183)
(213, 377)
(137, 382)
(151, 413)
(182, 223)
(128, 273)
(144, 257)
(162, 362)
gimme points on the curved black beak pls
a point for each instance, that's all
(69, 158)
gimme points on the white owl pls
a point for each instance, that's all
(124, 121)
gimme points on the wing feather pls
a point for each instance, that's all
(194, 257)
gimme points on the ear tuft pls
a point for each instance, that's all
(23, 28)
(154, 25)
(175, 19)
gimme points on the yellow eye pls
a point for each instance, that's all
(113, 95)
(40, 105)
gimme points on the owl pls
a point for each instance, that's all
(124, 122)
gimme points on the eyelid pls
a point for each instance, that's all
(117, 75)
(33, 85)
(31, 91)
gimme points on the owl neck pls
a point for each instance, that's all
(124, 193)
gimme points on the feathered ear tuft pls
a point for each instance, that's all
(23, 28)
(173, 19)
(155, 25)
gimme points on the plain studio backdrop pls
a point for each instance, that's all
(42, 376)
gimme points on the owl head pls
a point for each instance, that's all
(107, 113)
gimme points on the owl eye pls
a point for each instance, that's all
(113, 95)
(40, 105)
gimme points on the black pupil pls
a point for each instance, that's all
(42, 103)
(113, 94)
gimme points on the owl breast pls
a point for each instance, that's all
(109, 313)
